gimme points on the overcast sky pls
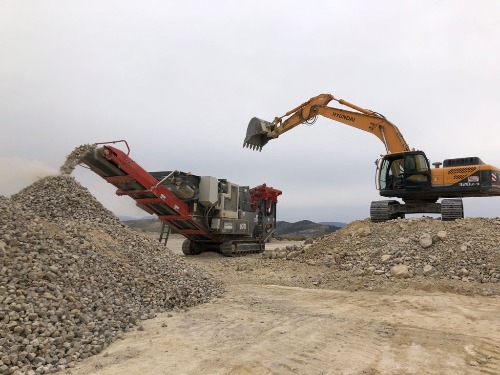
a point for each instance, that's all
(180, 81)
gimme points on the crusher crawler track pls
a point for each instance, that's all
(228, 249)
(238, 248)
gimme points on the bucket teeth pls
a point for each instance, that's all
(252, 146)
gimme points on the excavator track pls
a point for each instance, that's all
(236, 248)
(380, 211)
(452, 209)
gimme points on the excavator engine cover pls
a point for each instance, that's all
(257, 134)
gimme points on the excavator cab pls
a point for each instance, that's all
(403, 171)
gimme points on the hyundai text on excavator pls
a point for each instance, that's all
(403, 172)
(213, 214)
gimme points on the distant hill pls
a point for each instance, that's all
(131, 218)
(145, 225)
(334, 223)
(303, 229)
(299, 230)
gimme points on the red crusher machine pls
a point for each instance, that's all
(213, 214)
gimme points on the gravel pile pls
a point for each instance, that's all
(61, 198)
(73, 278)
(466, 250)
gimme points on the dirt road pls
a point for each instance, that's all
(264, 328)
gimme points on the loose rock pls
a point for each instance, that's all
(400, 271)
(467, 249)
(74, 278)
(425, 240)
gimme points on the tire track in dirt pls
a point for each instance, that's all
(378, 337)
(259, 329)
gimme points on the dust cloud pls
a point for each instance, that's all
(17, 173)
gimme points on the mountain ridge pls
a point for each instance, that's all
(298, 230)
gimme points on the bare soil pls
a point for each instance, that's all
(286, 317)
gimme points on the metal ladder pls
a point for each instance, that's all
(165, 233)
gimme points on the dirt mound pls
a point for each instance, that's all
(465, 250)
(72, 277)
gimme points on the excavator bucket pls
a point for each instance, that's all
(257, 134)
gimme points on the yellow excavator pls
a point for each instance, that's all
(403, 172)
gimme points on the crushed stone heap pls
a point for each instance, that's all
(61, 198)
(465, 249)
(73, 278)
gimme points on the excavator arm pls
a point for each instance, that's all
(259, 132)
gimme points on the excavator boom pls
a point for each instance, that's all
(259, 132)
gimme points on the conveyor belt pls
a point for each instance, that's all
(117, 168)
